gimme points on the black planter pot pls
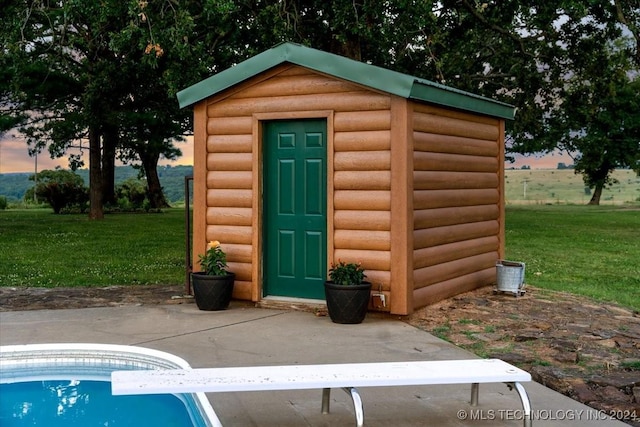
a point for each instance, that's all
(212, 292)
(347, 304)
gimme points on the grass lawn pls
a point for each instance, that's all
(42, 249)
(587, 250)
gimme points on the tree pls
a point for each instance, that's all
(78, 71)
(519, 52)
(602, 124)
(107, 71)
(568, 66)
(386, 33)
(628, 14)
(62, 78)
(159, 57)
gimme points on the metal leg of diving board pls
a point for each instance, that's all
(526, 403)
(326, 396)
(355, 398)
(524, 398)
(474, 394)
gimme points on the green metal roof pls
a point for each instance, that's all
(392, 82)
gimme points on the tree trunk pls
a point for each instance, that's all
(154, 189)
(350, 48)
(597, 192)
(96, 210)
(109, 165)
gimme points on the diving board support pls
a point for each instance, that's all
(355, 398)
(526, 403)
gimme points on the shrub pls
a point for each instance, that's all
(3, 203)
(61, 189)
(131, 194)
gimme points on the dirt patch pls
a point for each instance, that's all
(13, 298)
(586, 350)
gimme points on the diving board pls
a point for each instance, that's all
(346, 376)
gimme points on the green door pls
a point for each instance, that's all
(295, 204)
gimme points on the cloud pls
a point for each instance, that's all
(14, 156)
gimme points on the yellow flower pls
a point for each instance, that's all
(213, 244)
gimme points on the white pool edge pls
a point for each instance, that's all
(130, 356)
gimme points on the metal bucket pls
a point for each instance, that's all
(510, 277)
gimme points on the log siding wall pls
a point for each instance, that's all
(359, 179)
(457, 219)
(362, 191)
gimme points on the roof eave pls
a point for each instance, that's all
(224, 79)
(442, 95)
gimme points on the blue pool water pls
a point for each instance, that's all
(69, 385)
(87, 404)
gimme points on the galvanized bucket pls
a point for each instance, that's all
(510, 277)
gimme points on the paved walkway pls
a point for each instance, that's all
(244, 336)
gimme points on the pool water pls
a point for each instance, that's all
(56, 385)
(85, 403)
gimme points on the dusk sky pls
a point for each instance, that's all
(14, 157)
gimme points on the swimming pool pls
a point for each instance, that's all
(69, 384)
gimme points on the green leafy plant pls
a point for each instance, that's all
(62, 189)
(131, 194)
(346, 273)
(214, 261)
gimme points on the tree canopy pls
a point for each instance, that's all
(94, 75)
(104, 74)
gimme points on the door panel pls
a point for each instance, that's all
(294, 201)
(314, 201)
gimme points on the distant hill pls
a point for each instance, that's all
(14, 185)
(521, 186)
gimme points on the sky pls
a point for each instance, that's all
(14, 157)
(548, 161)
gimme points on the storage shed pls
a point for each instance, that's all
(303, 158)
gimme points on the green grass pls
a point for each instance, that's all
(41, 249)
(442, 331)
(587, 250)
(632, 365)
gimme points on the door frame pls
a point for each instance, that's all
(257, 259)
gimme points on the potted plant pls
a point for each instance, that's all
(347, 293)
(213, 286)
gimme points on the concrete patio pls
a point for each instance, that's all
(247, 336)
